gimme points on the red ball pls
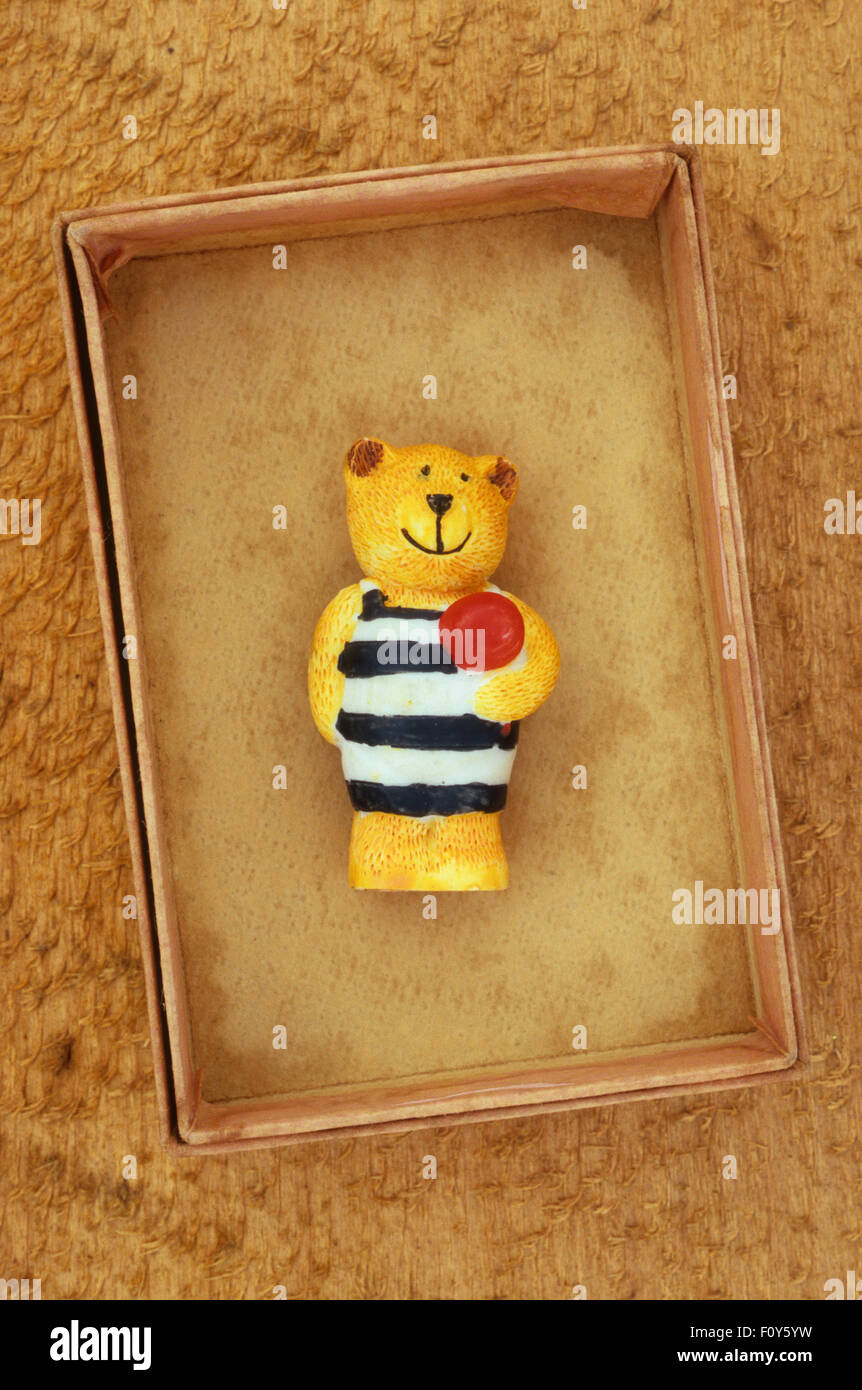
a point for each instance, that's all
(482, 631)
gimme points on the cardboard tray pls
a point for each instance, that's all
(604, 385)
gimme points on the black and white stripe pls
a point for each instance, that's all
(411, 744)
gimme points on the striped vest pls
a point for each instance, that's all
(410, 742)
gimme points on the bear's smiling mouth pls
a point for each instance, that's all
(439, 551)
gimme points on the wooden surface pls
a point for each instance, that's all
(629, 1202)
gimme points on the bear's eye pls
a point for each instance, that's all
(426, 470)
(465, 477)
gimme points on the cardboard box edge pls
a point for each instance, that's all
(84, 424)
(699, 200)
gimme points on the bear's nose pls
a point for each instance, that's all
(439, 502)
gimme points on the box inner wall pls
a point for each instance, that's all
(251, 384)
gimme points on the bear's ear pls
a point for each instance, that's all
(364, 456)
(503, 475)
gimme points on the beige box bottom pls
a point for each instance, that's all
(251, 383)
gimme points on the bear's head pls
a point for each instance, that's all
(427, 517)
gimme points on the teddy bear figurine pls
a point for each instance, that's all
(421, 672)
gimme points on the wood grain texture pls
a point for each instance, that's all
(628, 1201)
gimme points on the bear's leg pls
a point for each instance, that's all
(444, 854)
(467, 852)
(388, 852)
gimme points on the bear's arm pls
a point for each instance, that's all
(515, 694)
(325, 681)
